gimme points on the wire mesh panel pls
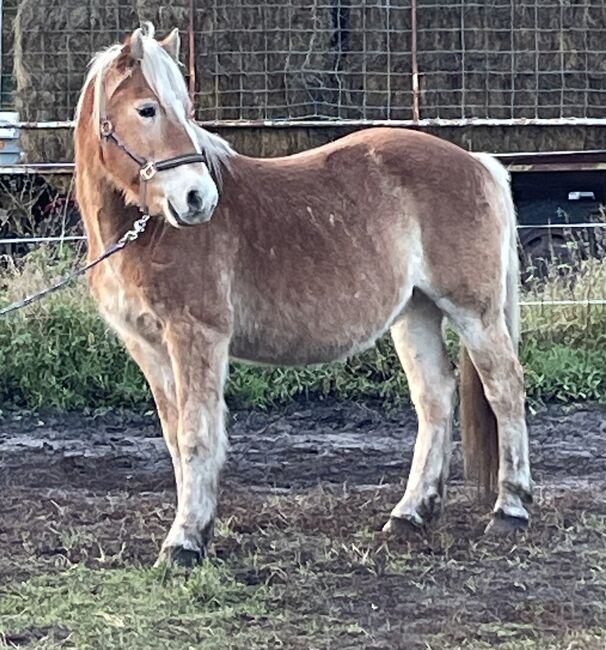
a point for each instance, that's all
(506, 59)
(304, 59)
(7, 81)
(330, 59)
(495, 59)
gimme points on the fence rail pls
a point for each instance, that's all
(41, 240)
(286, 123)
(76, 238)
(563, 303)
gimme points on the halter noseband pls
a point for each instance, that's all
(147, 168)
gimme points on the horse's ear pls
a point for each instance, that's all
(132, 51)
(172, 43)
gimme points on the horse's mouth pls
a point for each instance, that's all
(179, 222)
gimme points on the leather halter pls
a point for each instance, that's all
(147, 168)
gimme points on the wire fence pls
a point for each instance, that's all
(326, 60)
(70, 238)
(585, 302)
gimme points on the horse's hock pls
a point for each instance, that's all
(342, 60)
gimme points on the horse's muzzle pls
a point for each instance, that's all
(193, 217)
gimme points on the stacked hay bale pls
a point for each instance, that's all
(300, 59)
(54, 41)
(9, 11)
(303, 59)
(261, 62)
(504, 60)
(337, 59)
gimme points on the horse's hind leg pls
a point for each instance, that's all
(491, 349)
(420, 346)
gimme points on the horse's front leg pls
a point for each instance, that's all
(154, 362)
(199, 357)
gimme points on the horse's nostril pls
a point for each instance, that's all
(194, 200)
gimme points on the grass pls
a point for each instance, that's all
(59, 353)
(133, 608)
(113, 609)
(299, 572)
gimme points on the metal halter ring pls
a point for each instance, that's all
(148, 171)
(106, 128)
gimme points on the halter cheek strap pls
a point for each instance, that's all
(147, 168)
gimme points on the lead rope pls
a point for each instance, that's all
(131, 235)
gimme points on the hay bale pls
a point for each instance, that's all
(164, 16)
(310, 59)
(503, 61)
(255, 62)
(9, 11)
(302, 60)
(352, 60)
(54, 41)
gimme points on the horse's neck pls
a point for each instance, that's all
(102, 207)
(238, 187)
(106, 217)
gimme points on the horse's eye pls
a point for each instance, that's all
(147, 111)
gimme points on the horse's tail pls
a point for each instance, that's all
(478, 422)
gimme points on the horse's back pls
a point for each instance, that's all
(332, 240)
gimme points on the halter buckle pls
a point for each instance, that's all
(148, 171)
(106, 128)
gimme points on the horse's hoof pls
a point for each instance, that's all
(403, 526)
(502, 524)
(180, 556)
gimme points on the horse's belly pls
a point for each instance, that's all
(304, 336)
(284, 352)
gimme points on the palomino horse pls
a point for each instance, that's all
(307, 259)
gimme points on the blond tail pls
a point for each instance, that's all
(478, 422)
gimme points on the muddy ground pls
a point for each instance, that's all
(305, 493)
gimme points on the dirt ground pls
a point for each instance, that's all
(304, 495)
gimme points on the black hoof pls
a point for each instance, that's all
(502, 525)
(179, 556)
(403, 527)
(431, 508)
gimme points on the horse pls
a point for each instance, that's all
(302, 259)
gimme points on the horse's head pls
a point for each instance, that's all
(150, 148)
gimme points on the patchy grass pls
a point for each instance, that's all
(310, 570)
(295, 564)
(135, 608)
(59, 353)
